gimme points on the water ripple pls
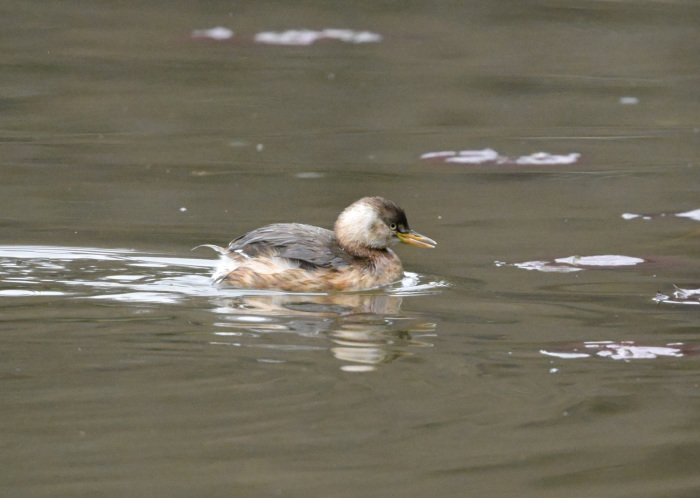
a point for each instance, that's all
(365, 328)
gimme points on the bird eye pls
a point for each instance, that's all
(392, 226)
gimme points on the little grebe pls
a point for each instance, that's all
(304, 258)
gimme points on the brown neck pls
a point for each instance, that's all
(361, 251)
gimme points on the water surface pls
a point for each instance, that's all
(508, 362)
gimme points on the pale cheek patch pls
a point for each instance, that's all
(360, 216)
(358, 221)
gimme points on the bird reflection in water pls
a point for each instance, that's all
(367, 329)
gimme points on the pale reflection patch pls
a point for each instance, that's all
(679, 296)
(293, 37)
(577, 263)
(622, 350)
(490, 156)
(693, 214)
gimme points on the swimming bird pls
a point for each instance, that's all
(303, 258)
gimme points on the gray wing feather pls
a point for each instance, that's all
(312, 246)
